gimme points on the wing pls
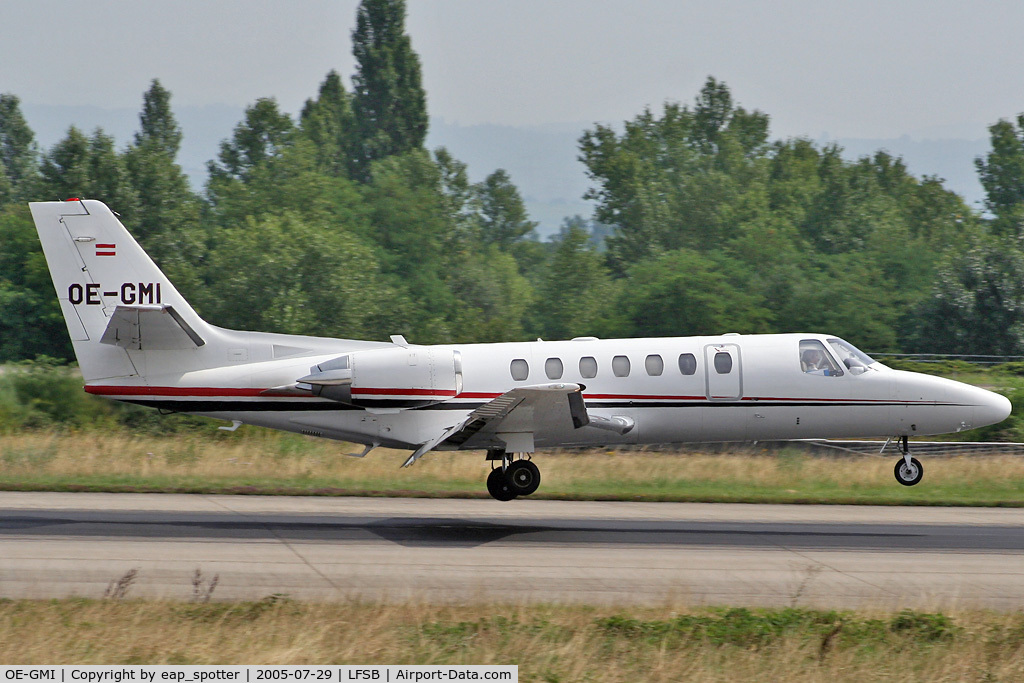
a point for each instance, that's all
(512, 412)
(521, 412)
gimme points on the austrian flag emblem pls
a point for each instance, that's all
(106, 249)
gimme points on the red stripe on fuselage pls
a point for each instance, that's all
(640, 397)
(197, 392)
(403, 392)
(107, 390)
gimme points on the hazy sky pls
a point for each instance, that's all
(928, 68)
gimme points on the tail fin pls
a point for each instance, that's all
(114, 298)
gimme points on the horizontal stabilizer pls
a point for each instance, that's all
(149, 328)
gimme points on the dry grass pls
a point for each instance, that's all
(266, 462)
(548, 643)
(257, 457)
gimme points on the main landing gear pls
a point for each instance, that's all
(513, 478)
(908, 470)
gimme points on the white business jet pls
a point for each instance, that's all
(138, 340)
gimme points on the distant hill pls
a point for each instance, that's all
(541, 160)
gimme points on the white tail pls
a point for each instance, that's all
(113, 296)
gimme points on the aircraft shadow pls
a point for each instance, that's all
(468, 533)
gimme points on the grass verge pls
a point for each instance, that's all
(268, 463)
(547, 642)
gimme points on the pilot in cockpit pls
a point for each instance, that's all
(814, 361)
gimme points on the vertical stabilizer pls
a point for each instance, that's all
(108, 288)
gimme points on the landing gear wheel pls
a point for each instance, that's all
(498, 485)
(908, 475)
(523, 476)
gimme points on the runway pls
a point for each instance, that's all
(59, 544)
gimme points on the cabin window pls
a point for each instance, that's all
(620, 366)
(815, 360)
(723, 363)
(520, 369)
(553, 368)
(687, 363)
(588, 367)
(654, 365)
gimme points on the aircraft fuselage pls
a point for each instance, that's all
(765, 395)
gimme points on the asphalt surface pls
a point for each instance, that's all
(58, 544)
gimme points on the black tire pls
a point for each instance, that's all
(498, 486)
(523, 476)
(908, 476)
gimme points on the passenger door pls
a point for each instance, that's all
(723, 372)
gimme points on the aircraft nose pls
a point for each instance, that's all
(991, 409)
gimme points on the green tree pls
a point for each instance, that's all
(684, 292)
(264, 134)
(503, 216)
(493, 297)
(6, 192)
(19, 156)
(938, 215)
(410, 220)
(843, 216)
(65, 170)
(389, 102)
(329, 123)
(844, 295)
(288, 183)
(459, 198)
(31, 323)
(304, 278)
(1001, 173)
(158, 127)
(681, 180)
(633, 179)
(717, 122)
(167, 223)
(576, 290)
(977, 304)
(80, 166)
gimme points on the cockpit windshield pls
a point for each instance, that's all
(849, 355)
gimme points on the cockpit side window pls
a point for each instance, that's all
(815, 360)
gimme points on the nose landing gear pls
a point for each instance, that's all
(908, 470)
(513, 478)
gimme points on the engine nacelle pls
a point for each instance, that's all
(400, 377)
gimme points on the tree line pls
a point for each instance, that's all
(339, 222)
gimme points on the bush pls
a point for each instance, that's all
(43, 394)
(758, 628)
(740, 627)
(923, 626)
(1014, 368)
(941, 368)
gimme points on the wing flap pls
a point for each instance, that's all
(519, 413)
(514, 411)
(518, 410)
